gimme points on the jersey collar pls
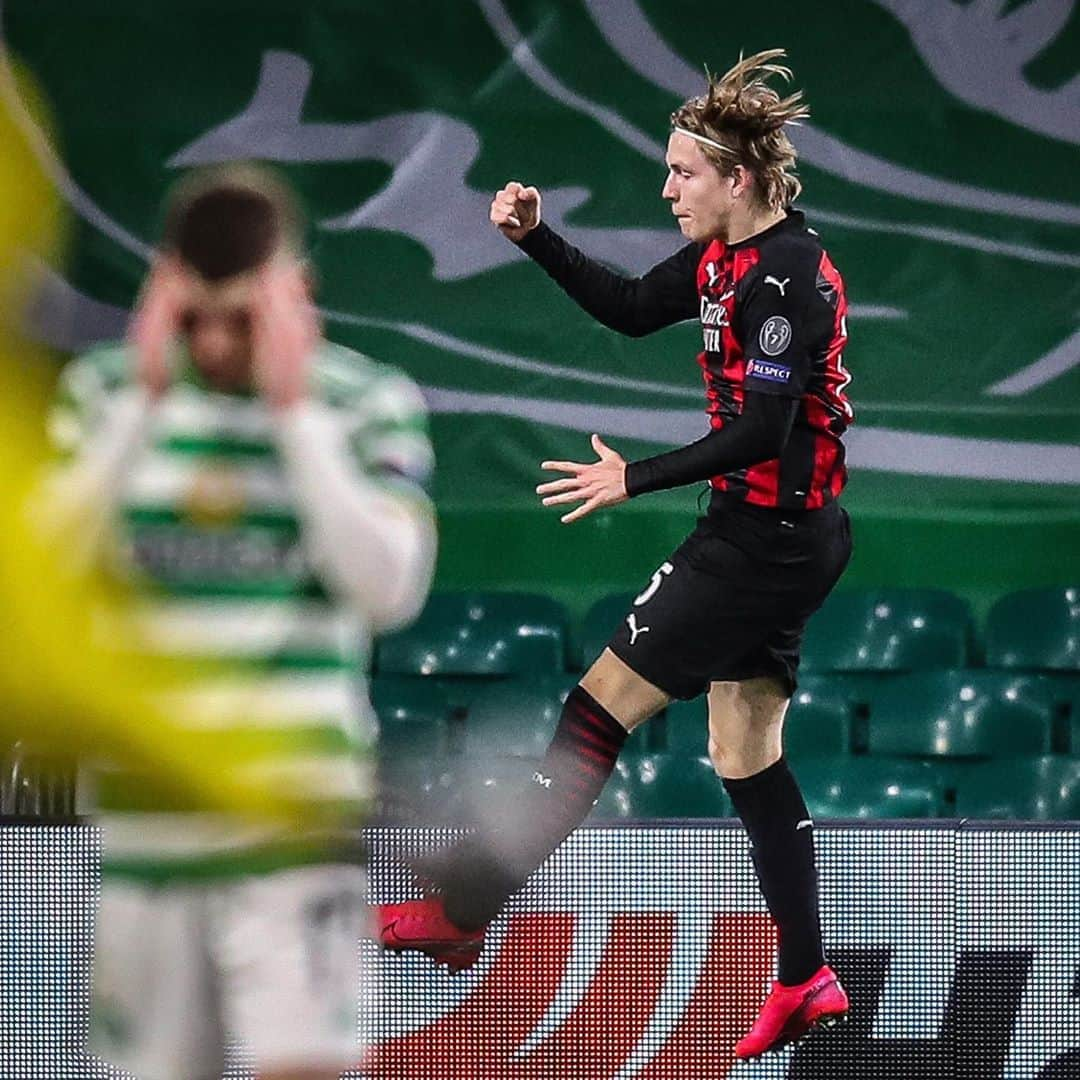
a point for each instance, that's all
(794, 221)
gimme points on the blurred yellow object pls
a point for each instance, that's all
(62, 689)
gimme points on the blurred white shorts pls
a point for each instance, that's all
(270, 961)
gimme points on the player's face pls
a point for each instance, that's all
(215, 320)
(701, 198)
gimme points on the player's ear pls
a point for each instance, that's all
(742, 180)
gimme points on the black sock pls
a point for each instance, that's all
(772, 808)
(479, 875)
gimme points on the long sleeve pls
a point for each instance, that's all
(666, 294)
(372, 543)
(80, 496)
(758, 434)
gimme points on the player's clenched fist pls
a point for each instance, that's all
(515, 210)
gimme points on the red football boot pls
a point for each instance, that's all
(422, 925)
(790, 1012)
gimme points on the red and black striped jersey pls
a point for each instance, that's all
(773, 315)
(774, 320)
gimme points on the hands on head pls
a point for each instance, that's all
(275, 343)
(274, 349)
(515, 210)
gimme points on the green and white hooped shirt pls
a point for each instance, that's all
(211, 529)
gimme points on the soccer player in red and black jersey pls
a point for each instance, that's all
(725, 613)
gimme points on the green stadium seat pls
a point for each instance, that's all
(821, 717)
(414, 784)
(685, 729)
(1069, 698)
(1044, 788)
(517, 718)
(888, 630)
(1036, 629)
(962, 714)
(479, 634)
(601, 621)
(413, 791)
(414, 717)
(644, 739)
(487, 788)
(843, 786)
(663, 786)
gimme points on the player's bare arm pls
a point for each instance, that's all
(79, 496)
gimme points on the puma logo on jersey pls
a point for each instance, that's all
(712, 272)
(635, 630)
(770, 280)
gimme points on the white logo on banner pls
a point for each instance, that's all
(421, 143)
(979, 53)
(418, 145)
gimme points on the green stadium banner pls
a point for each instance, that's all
(940, 165)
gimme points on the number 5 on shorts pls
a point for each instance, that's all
(657, 581)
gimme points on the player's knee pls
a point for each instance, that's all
(731, 762)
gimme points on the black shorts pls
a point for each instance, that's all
(732, 601)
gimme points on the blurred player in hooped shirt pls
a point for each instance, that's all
(64, 690)
(265, 489)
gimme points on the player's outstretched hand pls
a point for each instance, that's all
(515, 210)
(603, 483)
(154, 325)
(284, 333)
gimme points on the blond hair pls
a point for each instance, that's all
(745, 116)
